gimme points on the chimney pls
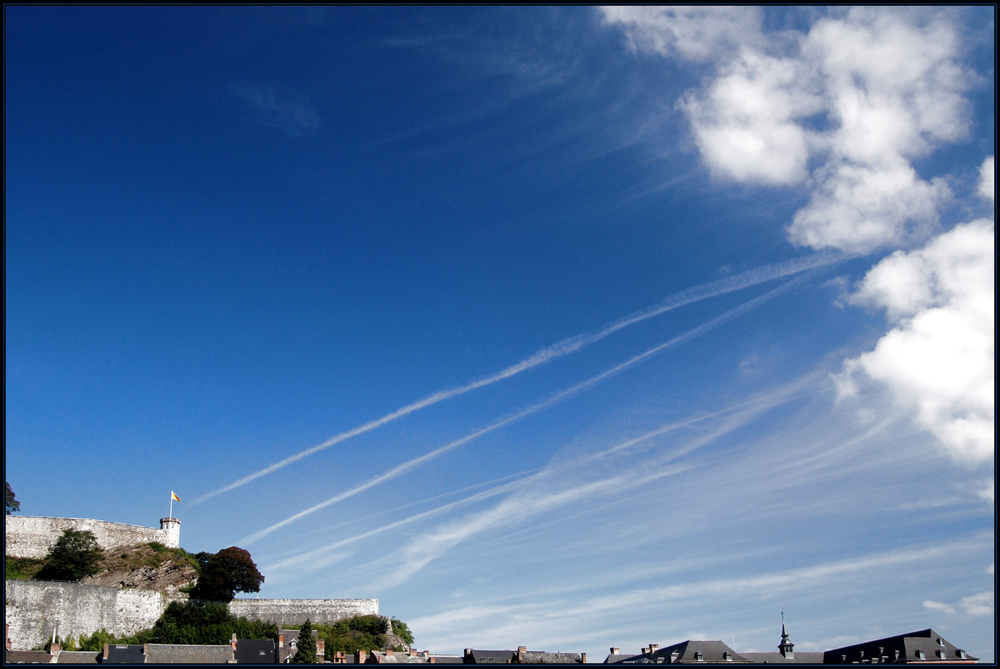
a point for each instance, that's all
(232, 642)
(321, 651)
(468, 652)
(614, 650)
(432, 659)
(583, 658)
(361, 657)
(521, 650)
(388, 652)
(653, 647)
(54, 650)
(105, 651)
(281, 640)
(413, 653)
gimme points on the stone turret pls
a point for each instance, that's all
(172, 531)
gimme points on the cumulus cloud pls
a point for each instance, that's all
(979, 605)
(747, 123)
(843, 108)
(939, 358)
(938, 606)
(987, 179)
(277, 107)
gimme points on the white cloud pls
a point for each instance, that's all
(277, 107)
(939, 358)
(746, 123)
(938, 606)
(989, 492)
(854, 100)
(694, 33)
(979, 605)
(987, 179)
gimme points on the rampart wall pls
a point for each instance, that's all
(37, 609)
(295, 611)
(33, 536)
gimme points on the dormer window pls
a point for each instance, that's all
(698, 656)
(727, 656)
(673, 656)
(291, 644)
(920, 655)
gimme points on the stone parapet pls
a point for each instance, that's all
(34, 536)
(295, 611)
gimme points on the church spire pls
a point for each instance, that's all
(786, 644)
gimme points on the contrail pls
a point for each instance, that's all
(566, 346)
(399, 470)
(542, 472)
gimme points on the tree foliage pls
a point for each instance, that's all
(400, 629)
(305, 653)
(207, 624)
(353, 634)
(75, 555)
(10, 503)
(225, 573)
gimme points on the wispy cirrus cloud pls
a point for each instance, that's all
(565, 347)
(277, 107)
(410, 465)
(842, 108)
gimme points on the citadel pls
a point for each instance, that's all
(37, 610)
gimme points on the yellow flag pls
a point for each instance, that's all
(174, 496)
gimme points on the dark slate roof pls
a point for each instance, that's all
(688, 652)
(491, 656)
(78, 657)
(614, 658)
(905, 647)
(799, 657)
(541, 657)
(448, 659)
(291, 643)
(169, 653)
(27, 657)
(255, 651)
(118, 654)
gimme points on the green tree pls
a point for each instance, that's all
(207, 624)
(10, 504)
(75, 555)
(306, 651)
(229, 571)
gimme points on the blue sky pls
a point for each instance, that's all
(565, 328)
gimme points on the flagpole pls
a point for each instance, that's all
(171, 514)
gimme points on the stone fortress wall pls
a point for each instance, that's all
(295, 611)
(35, 610)
(34, 536)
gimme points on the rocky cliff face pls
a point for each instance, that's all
(145, 568)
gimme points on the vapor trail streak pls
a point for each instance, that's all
(570, 345)
(408, 466)
(534, 475)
